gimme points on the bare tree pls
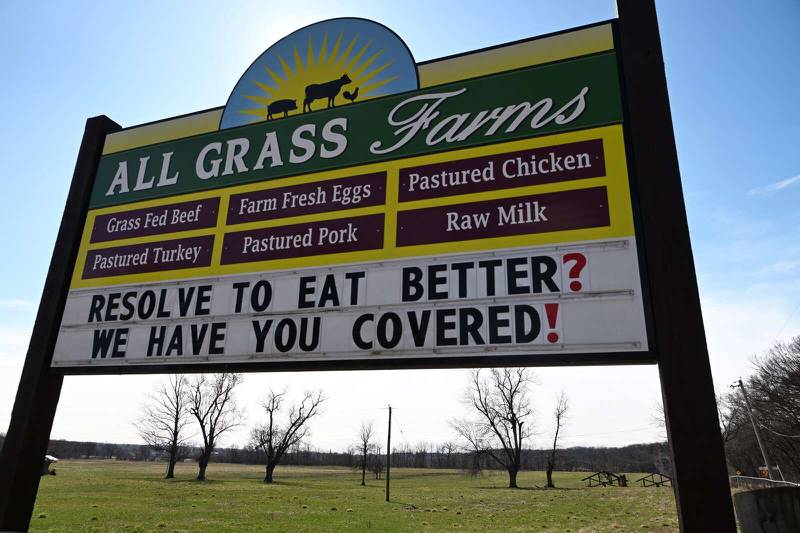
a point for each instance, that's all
(473, 435)
(774, 394)
(658, 418)
(213, 404)
(164, 420)
(377, 465)
(727, 412)
(365, 444)
(445, 451)
(275, 438)
(503, 408)
(729, 409)
(560, 414)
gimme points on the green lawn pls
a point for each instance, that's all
(122, 496)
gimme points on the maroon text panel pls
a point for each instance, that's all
(300, 240)
(535, 166)
(184, 216)
(151, 257)
(333, 195)
(538, 213)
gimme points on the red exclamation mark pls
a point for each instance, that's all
(551, 310)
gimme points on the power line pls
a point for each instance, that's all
(778, 433)
(610, 432)
(787, 321)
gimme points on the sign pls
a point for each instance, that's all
(351, 205)
(349, 208)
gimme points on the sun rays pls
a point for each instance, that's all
(363, 64)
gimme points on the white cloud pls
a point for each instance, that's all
(13, 345)
(14, 342)
(737, 328)
(609, 406)
(779, 267)
(772, 188)
(17, 303)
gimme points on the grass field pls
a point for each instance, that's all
(126, 496)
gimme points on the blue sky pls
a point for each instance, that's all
(733, 82)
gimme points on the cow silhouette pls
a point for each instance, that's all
(281, 106)
(329, 90)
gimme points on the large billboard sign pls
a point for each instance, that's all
(352, 208)
(349, 206)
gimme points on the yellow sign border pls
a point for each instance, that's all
(616, 181)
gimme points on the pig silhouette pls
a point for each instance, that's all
(281, 106)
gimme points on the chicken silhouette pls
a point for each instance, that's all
(350, 95)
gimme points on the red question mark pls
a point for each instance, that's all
(575, 270)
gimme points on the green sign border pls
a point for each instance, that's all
(367, 123)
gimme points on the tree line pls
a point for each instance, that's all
(774, 393)
(186, 417)
(493, 434)
(632, 458)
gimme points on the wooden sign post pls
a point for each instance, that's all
(700, 481)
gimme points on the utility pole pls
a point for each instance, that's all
(755, 429)
(388, 453)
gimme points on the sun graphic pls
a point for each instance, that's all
(329, 63)
(346, 68)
